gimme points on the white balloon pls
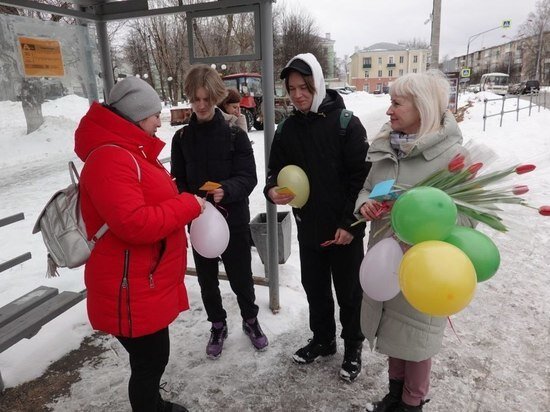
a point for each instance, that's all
(379, 271)
(209, 233)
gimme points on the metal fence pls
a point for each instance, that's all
(537, 100)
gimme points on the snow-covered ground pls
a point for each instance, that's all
(499, 358)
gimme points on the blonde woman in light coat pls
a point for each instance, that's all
(421, 137)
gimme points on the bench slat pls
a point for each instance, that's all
(27, 325)
(22, 305)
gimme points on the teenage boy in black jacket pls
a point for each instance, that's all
(209, 150)
(333, 158)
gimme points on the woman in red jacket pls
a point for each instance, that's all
(134, 275)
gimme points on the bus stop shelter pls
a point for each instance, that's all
(101, 12)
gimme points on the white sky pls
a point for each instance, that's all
(364, 22)
(498, 362)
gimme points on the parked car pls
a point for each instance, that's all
(531, 86)
(525, 87)
(345, 89)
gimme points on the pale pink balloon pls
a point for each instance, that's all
(209, 233)
(379, 271)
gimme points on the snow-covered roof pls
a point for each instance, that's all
(384, 46)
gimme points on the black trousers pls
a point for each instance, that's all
(148, 358)
(322, 267)
(237, 260)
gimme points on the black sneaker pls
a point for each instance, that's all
(313, 350)
(351, 367)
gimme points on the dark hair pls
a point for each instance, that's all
(233, 96)
(310, 83)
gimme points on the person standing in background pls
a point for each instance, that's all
(331, 250)
(231, 108)
(134, 276)
(208, 149)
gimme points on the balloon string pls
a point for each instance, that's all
(453, 328)
(222, 210)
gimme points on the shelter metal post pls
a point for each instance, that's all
(266, 29)
(105, 53)
(90, 80)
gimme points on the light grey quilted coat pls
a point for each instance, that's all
(394, 327)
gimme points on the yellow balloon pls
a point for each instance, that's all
(437, 278)
(295, 179)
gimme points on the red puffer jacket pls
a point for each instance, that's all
(135, 274)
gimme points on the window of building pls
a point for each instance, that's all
(401, 59)
(400, 72)
(415, 59)
(366, 60)
(380, 60)
(415, 70)
(379, 73)
(390, 73)
(366, 74)
(390, 59)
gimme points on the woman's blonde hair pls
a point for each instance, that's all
(429, 92)
(202, 75)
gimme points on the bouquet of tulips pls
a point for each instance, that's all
(475, 195)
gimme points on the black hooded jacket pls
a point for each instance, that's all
(334, 164)
(213, 151)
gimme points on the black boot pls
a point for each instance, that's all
(403, 407)
(172, 407)
(391, 401)
(351, 367)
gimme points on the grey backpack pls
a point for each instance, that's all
(63, 228)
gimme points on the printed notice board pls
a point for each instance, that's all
(41, 57)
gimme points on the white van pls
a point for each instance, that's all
(494, 82)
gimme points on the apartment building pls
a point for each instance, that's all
(373, 68)
(518, 58)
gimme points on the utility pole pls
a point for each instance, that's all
(436, 28)
(539, 53)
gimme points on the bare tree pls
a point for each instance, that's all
(297, 33)
(415, 44)
(533, 45)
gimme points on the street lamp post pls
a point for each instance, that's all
(473, 37)
(169, 79)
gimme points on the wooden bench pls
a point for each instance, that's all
(25, 316)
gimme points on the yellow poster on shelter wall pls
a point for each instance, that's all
(41, 57)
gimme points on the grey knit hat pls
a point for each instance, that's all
(135, 98)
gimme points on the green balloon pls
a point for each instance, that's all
(423, 213)
(479, 248)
